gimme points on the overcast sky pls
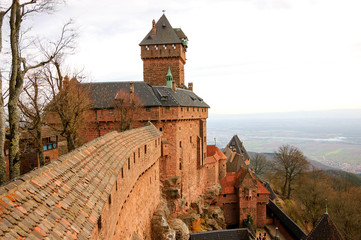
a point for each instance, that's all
(247, 56)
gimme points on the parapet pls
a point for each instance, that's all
(65, 199)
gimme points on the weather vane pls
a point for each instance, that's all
(163, 11)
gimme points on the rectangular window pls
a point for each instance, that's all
(180, 144)
(128, 163)
(167, 109)
(147, 109)
(181, 109)
(145, 149)
(180, 164)
(134, 157)
(138, 152)
(122, 173)
(190, 139)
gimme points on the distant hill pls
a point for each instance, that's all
(354, 179)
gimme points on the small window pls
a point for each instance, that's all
(110, 199)
(128, 163)
(147, 109)
(198, 109)
(167, 109)
(150, 180)
(190, 139)
(180, 164)
(224, 195)
(181, 109)
(122, 173)
(180, 144)
(155, 143)
(116, 185)
(134, 157)
(193, 109)
(138, 152)
(187, 109)
(145, 149)
(160, 129)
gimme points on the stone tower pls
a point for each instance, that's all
(163, 47)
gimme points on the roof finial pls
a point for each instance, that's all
(326, 207)
(163, 11)
(169, 77)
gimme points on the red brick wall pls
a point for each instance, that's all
(134, 197)
(222, 168)
(156, 62)
(261, 215)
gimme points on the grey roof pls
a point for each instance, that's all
(165, 34)
(291, 227)
(325, 229)
(236, 143)
(102, 95)
(231, 234)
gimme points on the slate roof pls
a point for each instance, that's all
(286, 221)
(165, 34)
(236, 143)
(230, 234)
(102, 95)
(272, 194)
(325, 230)
(64, 199)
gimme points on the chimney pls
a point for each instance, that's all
(174, 86)
(190, 86)
(131, 91)
(154, 29)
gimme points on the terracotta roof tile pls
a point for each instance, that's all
(65, 198)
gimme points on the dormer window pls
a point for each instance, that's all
(165, 46)
(173, 46)
(147, 48)
(156, 47)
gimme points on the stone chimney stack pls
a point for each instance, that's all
(154, 29)
(174, 86)
(131, 91)
(190, 86)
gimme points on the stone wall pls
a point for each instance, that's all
(106, 189)
(157, 60)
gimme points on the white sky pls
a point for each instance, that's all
(244, 56)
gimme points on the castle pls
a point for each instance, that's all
(110, 187)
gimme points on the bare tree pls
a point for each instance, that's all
(259, 163)
(3, 178)
(289, 162)
(312, 191)
(68, 107)
(125, 107)
(32, 107)
(19, 68)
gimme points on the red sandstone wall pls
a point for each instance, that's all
(261, 215)
(156, 62)
(134, 197)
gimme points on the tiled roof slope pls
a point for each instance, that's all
(102, 95)
(214, 154)
(286, 221)
(165, 34)
(230, 234)
(325, 230)
(65, 198)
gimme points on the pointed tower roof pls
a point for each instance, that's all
(325, 229)
(169, 78)
(164, 34)
(238, 145)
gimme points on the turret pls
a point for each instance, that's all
(162, 48)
